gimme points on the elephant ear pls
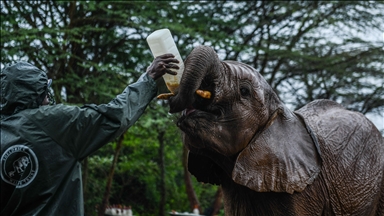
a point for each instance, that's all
(282, 158)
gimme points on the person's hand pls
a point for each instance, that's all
(161, 65)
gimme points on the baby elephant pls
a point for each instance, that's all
(319, 160)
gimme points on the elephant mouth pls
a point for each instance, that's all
(198, 114)
(188, 111)
(194, 111)
(205, 128)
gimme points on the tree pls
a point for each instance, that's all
(104, 203)
(293, 43)
(305, 49)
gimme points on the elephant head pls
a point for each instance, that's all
(242, 131)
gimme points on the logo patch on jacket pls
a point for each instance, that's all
(19, 166)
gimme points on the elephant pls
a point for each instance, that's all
(321, 159)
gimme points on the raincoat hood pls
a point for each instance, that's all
(23, 86)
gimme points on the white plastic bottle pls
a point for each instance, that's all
(196, 210)
(161, 42)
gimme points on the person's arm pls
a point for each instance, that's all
(83, 130)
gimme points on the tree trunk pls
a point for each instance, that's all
(188, 183)
(160, 137)
(218, 201)
(104, 203)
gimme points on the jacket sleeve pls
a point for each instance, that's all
(83, 130)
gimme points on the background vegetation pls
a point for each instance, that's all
(92, 49)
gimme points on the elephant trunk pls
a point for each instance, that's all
(202, 62)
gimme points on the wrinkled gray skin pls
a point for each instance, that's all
(319, 160)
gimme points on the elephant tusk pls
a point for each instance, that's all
(165, 96)
(204, 94)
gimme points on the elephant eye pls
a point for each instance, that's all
(244, 91)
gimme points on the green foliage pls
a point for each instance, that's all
(305, 49)
(105, 41)
(137, 176)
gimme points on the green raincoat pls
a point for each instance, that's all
(42, 146)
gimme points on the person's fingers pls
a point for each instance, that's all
(165, 56)
(173, 66)
(161, 65)
(164, 64)
(168, 66)
(168, 71)
(170, 60)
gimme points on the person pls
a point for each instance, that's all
(42, 146)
